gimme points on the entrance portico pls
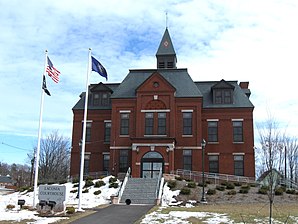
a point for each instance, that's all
(150, 158)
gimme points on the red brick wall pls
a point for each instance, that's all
(173, 159)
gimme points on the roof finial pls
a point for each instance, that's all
(166, 19)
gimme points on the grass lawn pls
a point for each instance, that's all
(239, 213)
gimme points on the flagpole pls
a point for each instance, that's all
(84, 133)
(39, 135)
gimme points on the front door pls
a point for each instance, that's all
(152, 163)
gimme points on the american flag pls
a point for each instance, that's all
(52, 71)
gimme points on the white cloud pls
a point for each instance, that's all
(236, 40)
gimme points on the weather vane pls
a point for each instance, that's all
(166, 19)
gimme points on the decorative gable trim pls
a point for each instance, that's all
(222, 84)
(155, 82)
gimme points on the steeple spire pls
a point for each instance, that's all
(165, 55)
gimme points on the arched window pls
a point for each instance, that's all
(152, 155)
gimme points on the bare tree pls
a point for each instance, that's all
(291, 154)
(20, 174)
(271, 148)
(4, 169)
(54, 162)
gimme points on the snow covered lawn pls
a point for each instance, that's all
(89, 200)
(170, 211)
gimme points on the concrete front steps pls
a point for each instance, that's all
(140, 191)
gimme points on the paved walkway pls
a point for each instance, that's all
(116, 214)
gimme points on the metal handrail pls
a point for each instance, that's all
(158, 182)
(127, 175)
(193, 175)
(161, 188)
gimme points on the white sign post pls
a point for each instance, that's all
(53, 193)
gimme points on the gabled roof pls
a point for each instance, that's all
(178, 78)
(240, 99)
(266, 173)
(222, 84)
(155, 74)
(166, 46)
(6, 179)
(100, 87)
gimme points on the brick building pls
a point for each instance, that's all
(157, 118)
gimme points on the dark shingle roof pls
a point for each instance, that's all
(240, 99)
(166, 46)
(178, 78)
(6, 179)
(81, 103)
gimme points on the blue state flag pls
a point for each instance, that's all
(97, 67)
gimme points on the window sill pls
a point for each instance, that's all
(238, 142)
(123, 136)
(148, 136)
(213, 143)
(187, 136)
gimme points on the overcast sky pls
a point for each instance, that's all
(244, 40)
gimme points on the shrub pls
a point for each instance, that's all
(75, 180)
(178, 178)
(74, 191)
(207, 182)
(99, 183)
(191, 185)
(88, 183)
(232, 192)
(279, 191)
(114, 185)
(263, 190)
(172, 184)
(185, 191)
(224, 183)
(70, 210)
(230, 186)
(245, 187)
(21, 189)
(10, 206)
(243, 191)
(290, 191)
(97, 192)
(89, 178)
(75, 185)
(187, 179)
(112, 179)
(211, 191)
(238, 184)
(220, 187)
(31, 189)
(201, 184)
(253, 184)
(85, 191)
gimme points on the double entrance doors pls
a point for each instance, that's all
(152, 163)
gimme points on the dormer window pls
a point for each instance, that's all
(223, 96)
(101, 99)
(223, 92)
(96, 99)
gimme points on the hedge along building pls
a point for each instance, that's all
(157, 118)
